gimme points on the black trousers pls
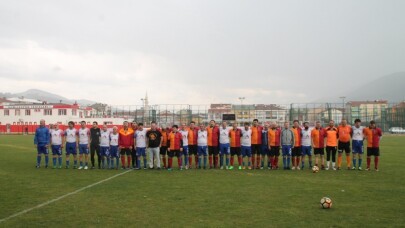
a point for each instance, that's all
(331, 150)
(134, 157)
(95, 149)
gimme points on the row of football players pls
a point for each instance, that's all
(251, 145)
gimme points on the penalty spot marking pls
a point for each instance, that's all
(61, 197)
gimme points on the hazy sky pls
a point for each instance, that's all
(199, 52)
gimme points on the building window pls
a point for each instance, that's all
(62, 112)
(27, 112)
(74, 112)
(6, 112)
(47, 112)
(17, 112)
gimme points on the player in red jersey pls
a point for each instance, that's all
(274, 144)
(192, 144)
(213, 143)
(126, 143)
(175, 147)
(256, 143)
(235, 135)
(373, 136)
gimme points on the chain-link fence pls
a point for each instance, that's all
(385, 114)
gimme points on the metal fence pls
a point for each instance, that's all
(386, 115)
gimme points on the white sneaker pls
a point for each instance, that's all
(86, 167)
(334, 168)
(81, 167)
(293, 168)
(222, 167)
(186, 167)
(298, 168)
(327, 168)
(227, 167)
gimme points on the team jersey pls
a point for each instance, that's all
(297, 136)
(224, 135)
(344, 133)
(114, 138)
(246, 137)
(358, 133)
(235, 135)
(175, 140)
(331, 134)
(274, 136)
(71, 135)
(164, 138)
(318, 137)
(202, 138)
(265, 137)
(306, 137)
(192, 136)
(213, 136)
(140, 137)
(373, 136)
(126, 138)
(256, 135)
(184, 134)
(56, 137)
(104, 138)
(84, 136)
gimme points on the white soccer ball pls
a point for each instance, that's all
(315, 169)
(326, 203)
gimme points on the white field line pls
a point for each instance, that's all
(60, 197)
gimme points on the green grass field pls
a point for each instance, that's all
(200, 198)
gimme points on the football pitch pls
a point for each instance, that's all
(31, 197)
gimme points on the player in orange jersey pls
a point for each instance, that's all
(331, 134)
(318, 143)
(296, 150)
(344, 132)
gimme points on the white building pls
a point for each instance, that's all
(30, 114)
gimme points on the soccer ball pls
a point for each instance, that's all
(315, 169)
(326, 203)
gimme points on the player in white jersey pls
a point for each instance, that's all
(246, 145)
(140, 143)
(84, 145)
(357, 143)
(224, 146)
(202, 140)
(184, 134)
(114, 137)
(105, 147)
(71, 140)
(57, 145)
(306, 143)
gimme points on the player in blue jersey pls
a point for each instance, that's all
(105, 147)
(57, 145)
(71, 139)
(84, 145)
(224, 145)
(41, 141)
(265, 147)
(246, 148)
(114, 137)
